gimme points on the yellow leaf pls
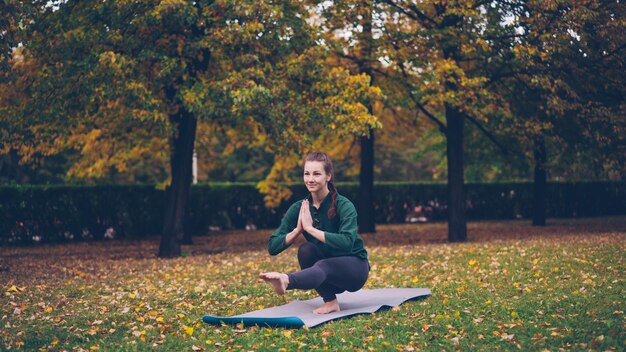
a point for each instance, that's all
(131, 295)
(189, 330)
(16, 289)
(473, 262)
(513, 314)
(94, 348)
(48, 309)
(55, 341)
(287, 333)
(159, 319)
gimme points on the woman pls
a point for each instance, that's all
(333, 258)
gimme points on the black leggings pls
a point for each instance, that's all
(328, 276)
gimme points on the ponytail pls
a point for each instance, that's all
(333, 196)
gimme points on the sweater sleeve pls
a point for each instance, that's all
(276, 242)
(343, 240)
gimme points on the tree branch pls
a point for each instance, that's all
(488, 134)
(442, 127)
(417, 15)
(422, 16)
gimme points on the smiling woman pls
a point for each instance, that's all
(333, 259)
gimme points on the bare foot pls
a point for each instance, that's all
(328, 307)
(278, 280)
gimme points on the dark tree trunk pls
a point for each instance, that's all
(366, 217)
(457, 227)
(182, 144)
(540, 184)
(187, 238)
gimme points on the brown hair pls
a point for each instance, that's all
(328, 168)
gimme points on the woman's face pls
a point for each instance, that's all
(315, 177)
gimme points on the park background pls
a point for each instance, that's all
(438, 112)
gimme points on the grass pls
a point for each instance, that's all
(512, 287)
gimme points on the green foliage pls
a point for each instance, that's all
(86, 85)
(105, 78)
(34, 214)
(566, 86)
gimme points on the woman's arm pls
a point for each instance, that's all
(291, 236)
(290, 228)
(343, 240)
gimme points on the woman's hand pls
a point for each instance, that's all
(307, 222)
(291, 236)
(299, 228)
(305, 216)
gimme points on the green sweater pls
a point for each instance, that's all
(342, 238)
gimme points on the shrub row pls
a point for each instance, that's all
(66, 213)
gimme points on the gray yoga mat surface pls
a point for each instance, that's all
(300, 313)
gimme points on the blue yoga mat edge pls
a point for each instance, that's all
(283, 322)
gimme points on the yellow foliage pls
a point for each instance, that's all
(275, 184)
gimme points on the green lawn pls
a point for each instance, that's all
(512, 287)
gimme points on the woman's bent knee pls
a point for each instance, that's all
(308, 254)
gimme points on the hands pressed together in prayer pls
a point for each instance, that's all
(305, 220)
(305, 223)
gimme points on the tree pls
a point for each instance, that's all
(101, 72)
(444, 54)
(569, 64)
(348, 29)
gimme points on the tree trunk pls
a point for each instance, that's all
(187, 238)
(182, 144)
(457, 227)
(366, 217)
(540, 184)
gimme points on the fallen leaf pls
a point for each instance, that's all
(188, 330)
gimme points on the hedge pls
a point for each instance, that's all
(39, 214)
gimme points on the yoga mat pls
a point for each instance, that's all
(297, 313)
